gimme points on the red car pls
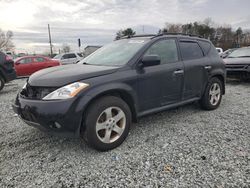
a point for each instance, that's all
(27, 65)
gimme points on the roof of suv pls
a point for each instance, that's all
(152, 36)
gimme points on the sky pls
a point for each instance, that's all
(96, 22)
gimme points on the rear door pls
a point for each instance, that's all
(162, 84)
(65, 59)
(72, 58)
(195, 68)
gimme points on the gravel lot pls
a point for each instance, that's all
(184, 147)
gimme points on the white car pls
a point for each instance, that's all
(69, 58)
(219, 50)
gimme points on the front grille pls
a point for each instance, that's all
(236, 66)
(34, 92)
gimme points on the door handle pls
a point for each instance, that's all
(179, 72)
(208, 67)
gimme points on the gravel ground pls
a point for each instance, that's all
(184, 147)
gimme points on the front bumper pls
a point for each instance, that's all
(240, 70)
(59, 116)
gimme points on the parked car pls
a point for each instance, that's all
(98, 98)
(238, 63)
(227, 52)
(7, 71)
(27, 65)
(69, 58)
(219, 50)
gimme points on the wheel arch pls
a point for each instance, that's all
(222, 79)
(122, 92)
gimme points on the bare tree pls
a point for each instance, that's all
(173, 28)
(66, 48)
(6, 40)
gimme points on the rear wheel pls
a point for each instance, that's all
(213, 94)
(107, 123)
(2, 83)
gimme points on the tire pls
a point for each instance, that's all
(2, 83)
(213, 94)
(108, 114)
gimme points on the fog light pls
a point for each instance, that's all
(57, 125)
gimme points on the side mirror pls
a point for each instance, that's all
(17, 63)
(150, 60)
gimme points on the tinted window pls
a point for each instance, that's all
(71, 55)
(165, 49)
(190, 50)
(25, 60)
(39, 59)
(206, 46)
(65, 56)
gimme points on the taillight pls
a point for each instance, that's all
(8, 58)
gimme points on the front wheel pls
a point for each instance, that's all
(213, 94)
(2, 83)
(107, 123)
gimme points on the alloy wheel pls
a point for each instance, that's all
(110, 125)
(214, 94)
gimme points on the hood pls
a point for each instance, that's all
(66, 74)
(240, 61)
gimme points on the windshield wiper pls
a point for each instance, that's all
(244, 56)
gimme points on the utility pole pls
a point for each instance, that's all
(51, 52)
(79, 45)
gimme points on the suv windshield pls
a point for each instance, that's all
(117, 53)
(243, 52)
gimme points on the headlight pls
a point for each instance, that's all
(67, 91)
(24, 86)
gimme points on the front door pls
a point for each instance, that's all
(162, 84)
(23, 66)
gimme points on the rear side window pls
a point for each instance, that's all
(165, 49)
(39, 59)
(71, 55)
(25, 60)
(206, 46)
(190, 50)
(68, 56)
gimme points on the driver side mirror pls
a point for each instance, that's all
(150, 60)
(17, 63)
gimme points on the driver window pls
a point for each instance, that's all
(165, 49)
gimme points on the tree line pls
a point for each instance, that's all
(221, 36)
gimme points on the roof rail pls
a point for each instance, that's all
(185, 34)
(158, 35)
(132, 36)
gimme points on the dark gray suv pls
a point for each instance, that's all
(7, 70)
(98, 98)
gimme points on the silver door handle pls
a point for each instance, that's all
(208, 67)
(179, 72)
